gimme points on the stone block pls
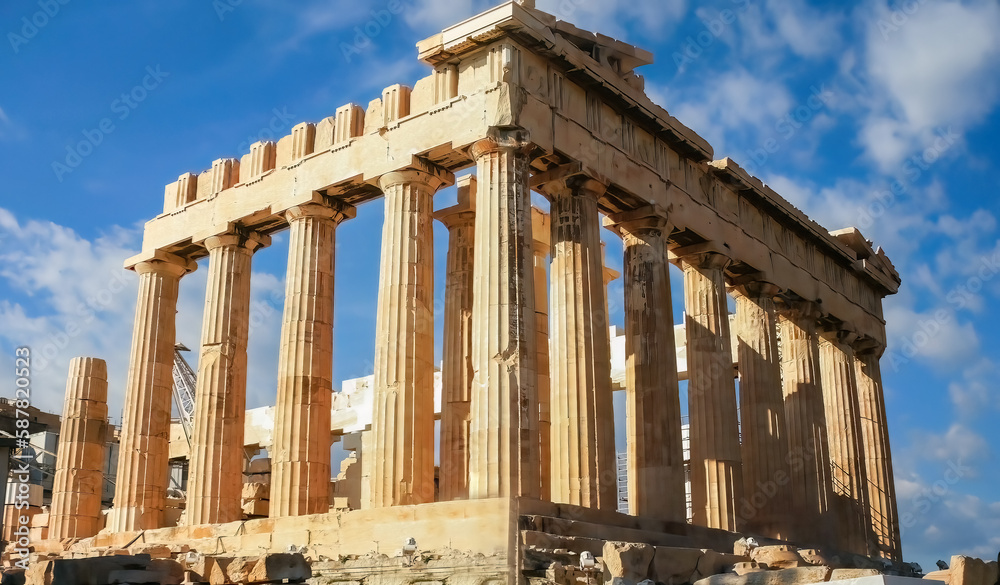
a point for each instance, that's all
(714, 563)
(675, 566)
(268, 568)
(847, 574)
(780, 556)
(796, 576)
(626, 563)
(262, 465)
(256, 507)
(751, 567)
(972, 571)
(256, 491)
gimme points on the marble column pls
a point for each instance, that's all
(143, 471)
(843, 426)
(300, 455)
(503, 452)
(216, 470)
(764, 509)
(884, 521)
(805, 421)
(716, 473)
(656, 477)
(541, 246)
(456, 371)
(403, 421)
(79, 479)
(583, 468)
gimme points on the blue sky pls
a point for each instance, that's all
(877, 115)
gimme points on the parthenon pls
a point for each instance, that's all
(517, 102)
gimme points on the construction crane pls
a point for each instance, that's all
(184, 385)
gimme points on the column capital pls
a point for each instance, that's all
(798, 309)
(838, 332)
(755, 289)
(334, 209)
(464, 212)
(647, 220)
(239, 237)
(568, 180)
(707, 255)
(868, 345)
(418, 171)
(161, 262)
(501, 138)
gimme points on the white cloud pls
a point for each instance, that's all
(931, 69)
(807, 31)
(734, 109)
(71, 297)
(958, 444)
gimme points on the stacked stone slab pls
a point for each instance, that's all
(79, 479)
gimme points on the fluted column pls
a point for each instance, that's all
(216, 469)
(79, 479)
(541, 246)
(300, 455)
(403, 421)
(652, 399)
(843, 425)
(805, 420)
(884, 521)
(456, 371)
(141, 484)
(764, 509)
(503, 453)
(582, 431)
(716, 474)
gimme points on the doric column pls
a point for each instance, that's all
(503, 453)
(403, 421)
(652, 400)
(541, 246)
(805, 421)
(79, 480)
(141, 486)
(716, 474)
(843, 426)
(300, 455)
(216, 470)
(764, 509)
(884, 521)
(456, 371)
(582, 431)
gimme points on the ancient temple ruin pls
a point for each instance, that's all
(517, 102)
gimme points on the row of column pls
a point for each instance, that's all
(505, 411)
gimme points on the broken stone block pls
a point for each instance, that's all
(972, 571)
(256, 507)
(256, 491)
(714, 563)
(845, 574)
(674, 566)
(268, 568)
(626, 563)
(780, 556)
(751, 567)
(796, 576)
